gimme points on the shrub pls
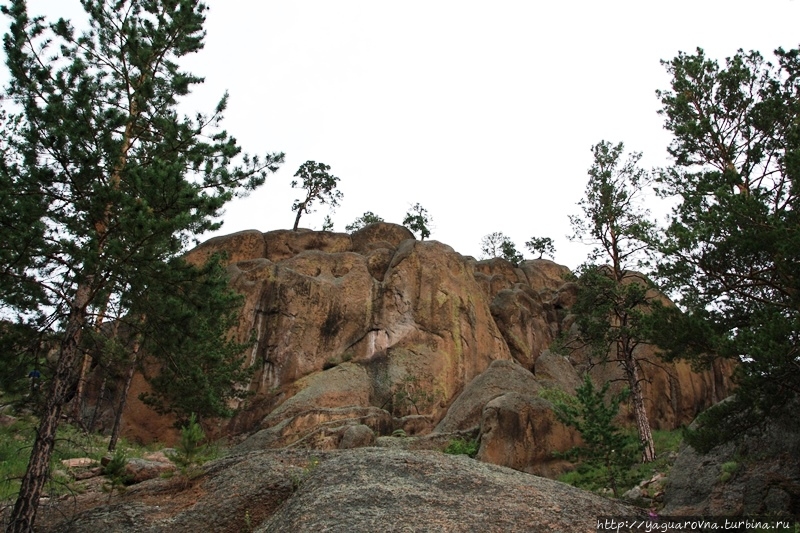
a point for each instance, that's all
(461, 446)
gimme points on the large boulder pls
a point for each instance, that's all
(305, 311)
(521, 431)
(236, 247)
(357, 490)
(500, 378)
(283, 244)
(432, 330)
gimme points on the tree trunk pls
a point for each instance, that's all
(297, 219)
(24, 514)
(112, 444)
(639, 411)
(77, 402)
(99, 405)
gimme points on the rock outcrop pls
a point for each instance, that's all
(382, 331)
(759, 476)
(360, 490)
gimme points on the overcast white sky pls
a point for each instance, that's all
(483, 112)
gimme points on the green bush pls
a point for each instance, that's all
(115, 472)
(460, 446)
(728, 470)
(192, 450)
(609, 452)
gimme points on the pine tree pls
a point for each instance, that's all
(107, 176)
(612, 299)
(418, 221)
(320, 186)
(732, 249)
(202, 369)
(364, 220)
(606, 447)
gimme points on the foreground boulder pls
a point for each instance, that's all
(759, 476)
(362, 490)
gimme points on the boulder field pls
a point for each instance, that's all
(380, 330)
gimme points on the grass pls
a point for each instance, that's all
(16, 442)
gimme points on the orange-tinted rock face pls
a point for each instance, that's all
(377, 329)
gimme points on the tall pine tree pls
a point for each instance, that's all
(613, 299)
(107, 176)
(732, 249)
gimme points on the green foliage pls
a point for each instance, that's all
(187, 326)
(498, 245)
(192, 446)
(115, 472)
(364, 220)
(542, 246)
(613, 219)
(108, 178)
(732, 248)
(613, 302)
(418, 221)
(192, 449)
(728, 469)
(70, 442)
(327, 224)
(22, 349)
(320, 186)
(608, 451)
(461, 446)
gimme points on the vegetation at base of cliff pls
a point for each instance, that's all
(608, 452)
(72, 442)
(591, 477)
(17, 438)
(193, 449)
(462, 446)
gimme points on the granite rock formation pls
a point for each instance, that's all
(380, 330)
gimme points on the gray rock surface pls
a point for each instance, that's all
(360, 490)
(759, 476)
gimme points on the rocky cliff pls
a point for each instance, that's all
(380, 330)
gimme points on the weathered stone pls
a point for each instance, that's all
(555, 371)
(79, 462)
(236, 247)
(496, 275)
(543, 274)
(521, 431)
(500, 378)
(763, 476)
(379, 329)
(524, 322)
(356, 437)
(138, 470)
(358, 490)
(283, 244)
(306, 312)
(379, 235)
